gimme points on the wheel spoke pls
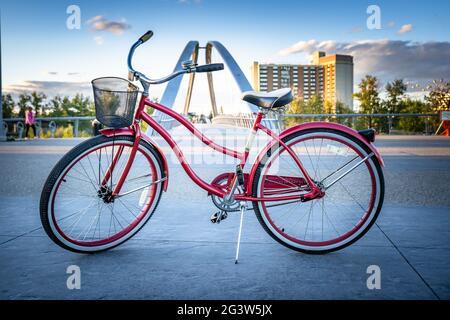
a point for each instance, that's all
(327, 221)
(103, 219)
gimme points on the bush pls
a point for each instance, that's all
(85, 134)
(64, 132)
(68, 132)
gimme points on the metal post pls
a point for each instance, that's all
(52, 127)
(389, 124)
(2, 130)
(77, 123)
(38, 129)
(20, 128)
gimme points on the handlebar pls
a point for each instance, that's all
(133, 74)
(209, 67)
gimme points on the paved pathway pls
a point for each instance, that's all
(181, 255)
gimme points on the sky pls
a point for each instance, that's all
(39, 51)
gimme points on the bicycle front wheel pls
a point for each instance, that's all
(76, 208)
(354, 191)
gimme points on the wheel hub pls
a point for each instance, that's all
(105, 193)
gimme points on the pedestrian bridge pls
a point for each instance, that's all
(191, 52)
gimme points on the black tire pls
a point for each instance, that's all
(294, 135)
(62, 165)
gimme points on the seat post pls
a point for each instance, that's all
(251, 136)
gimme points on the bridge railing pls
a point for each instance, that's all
(425, 123)
(386, 123)
(245, 120)
(48, 127)
(406, 123)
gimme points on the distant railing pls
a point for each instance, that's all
(16, 126)
(427, 121)
(349, 119)
(246, 120)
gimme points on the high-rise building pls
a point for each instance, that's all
(330, 77)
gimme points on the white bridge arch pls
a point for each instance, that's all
(191, 52)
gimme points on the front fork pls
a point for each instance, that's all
(108, 175)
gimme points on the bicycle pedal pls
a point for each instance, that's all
(218, 216)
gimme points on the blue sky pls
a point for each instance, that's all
(39, 51)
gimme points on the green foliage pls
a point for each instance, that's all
(395, 92)
(8, 106)
(37, 102)
(45, 134)
(57, 106)
(369, 99)
(414, 124)
(312, 106)
(66, 107)
(68, 132)
(64, 132)
(315, 105)
(439, 96)
(437, 99)
(23, 104)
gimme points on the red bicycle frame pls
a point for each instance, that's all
(141, 114)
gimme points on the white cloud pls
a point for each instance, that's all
(50, 88)
(387, 59)
(301, 46)
(405, 28)
(99, 23)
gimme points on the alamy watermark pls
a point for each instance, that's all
(74, 279)
(73, 21)
(374, 280)
(374, 20)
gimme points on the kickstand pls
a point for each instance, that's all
(243, 207)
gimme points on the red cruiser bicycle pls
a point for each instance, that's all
(315, 188)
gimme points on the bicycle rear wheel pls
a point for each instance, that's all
(350, 205)
(76, 207)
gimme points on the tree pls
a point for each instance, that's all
(439, 96)
(8, 106)
(82, 105)
(23, 104)
(313, 105)
(37, 101)
(368, 96)
(342, 108)
(414, 124)
(56, 107)
(395, 93)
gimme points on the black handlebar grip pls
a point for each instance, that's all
(146, 36)
(209, 67)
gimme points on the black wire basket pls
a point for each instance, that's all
(115, 101)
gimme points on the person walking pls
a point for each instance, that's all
(29, 122)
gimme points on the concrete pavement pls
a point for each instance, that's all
(181, 255)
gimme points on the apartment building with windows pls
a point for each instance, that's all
(330, 77)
